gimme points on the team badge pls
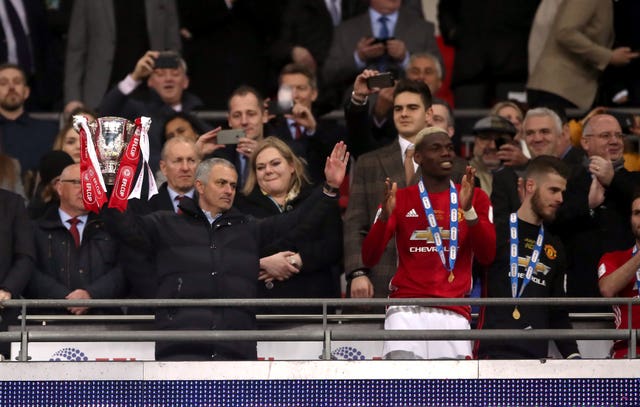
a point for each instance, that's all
(550, 251)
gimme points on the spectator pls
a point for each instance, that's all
(246, 112)
(490, 134)
(17, 256)
(310, 137)
(190, 266)
(106, 38)
(545, 135)
(10, 175)
(226, 45)
(490, 42)
(511, 111)
(382, 39)
(427, 269)
(178, 163)
(597, 204)
(412, 113)
(618, 277)
(184, 125)
(26, 43)
(45, 195)
(167, 95)
(304, 266)
(23, 137)
(76, 258)
(578, 50)
(530, 263)
(68, 140)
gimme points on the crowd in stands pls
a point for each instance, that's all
(540, 206)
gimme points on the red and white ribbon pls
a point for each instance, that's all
(143, 123)
(94, 191)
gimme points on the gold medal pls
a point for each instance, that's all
(451, 277)
(516, 313)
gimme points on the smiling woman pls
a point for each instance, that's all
(302, 267)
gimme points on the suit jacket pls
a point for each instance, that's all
(313, 149)
(92, 39)
(570, 65)
(308, 24)
(365, 194)
(340, 67)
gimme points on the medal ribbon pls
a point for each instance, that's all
(513, 257)
(435, 230)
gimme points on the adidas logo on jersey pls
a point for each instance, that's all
(411, 214)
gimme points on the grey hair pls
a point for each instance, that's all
(430, 56)
(544, 112)
(204, 168)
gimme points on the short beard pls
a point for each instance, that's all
(11, 106)
(537, 208)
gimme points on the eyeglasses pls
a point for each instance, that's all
(72, 181)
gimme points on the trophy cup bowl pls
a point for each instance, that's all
(110, 137)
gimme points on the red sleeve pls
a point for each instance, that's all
(376, 241)
(483, 233)
(608, 264)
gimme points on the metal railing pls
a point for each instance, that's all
(325, 333)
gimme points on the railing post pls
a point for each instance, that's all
(23, 354)
(326, 344)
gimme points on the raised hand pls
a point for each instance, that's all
(336, 165)
(389, 202)
(467, 187)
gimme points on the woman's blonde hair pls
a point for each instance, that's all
(299, 177)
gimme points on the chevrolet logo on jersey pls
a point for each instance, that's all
(428, 236)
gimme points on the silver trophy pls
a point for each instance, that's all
(110, 137)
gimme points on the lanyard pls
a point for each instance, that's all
(435, 230)
(513, 260)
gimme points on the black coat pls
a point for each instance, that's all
(196, 259)
(321, 251)
(17, 253)
(62, 268)
(115, 103)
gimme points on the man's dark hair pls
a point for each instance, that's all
(546, 164)
(244, 90)
(292, 69)
(418, 87)
(189, 118)
(9, 65)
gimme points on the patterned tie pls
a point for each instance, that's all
(409, 170)
(74, 229)
(178, 199)
(23, 49)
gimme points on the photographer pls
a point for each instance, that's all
(166, 78)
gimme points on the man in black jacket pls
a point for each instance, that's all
(76, 258)
(167, 95)
(211, 250)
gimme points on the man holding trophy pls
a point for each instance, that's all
(209, 250)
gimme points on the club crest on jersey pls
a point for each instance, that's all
(550, 251)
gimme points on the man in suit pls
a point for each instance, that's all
(382, 38)
(578, 50)
(106, 37)
(178, 163)
(309, 136)
(167, 94)
(544, 134)
(412, 112)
